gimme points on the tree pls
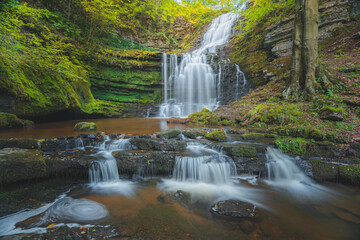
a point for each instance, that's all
(305, 48)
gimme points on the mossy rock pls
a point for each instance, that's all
(194, 133)
(323, 171)
(85, 127)
(253, 136)
(243, 151)
(24, 143)
(9, 121)
(331, 113)
(168, 134)
(217, 135)
(316, 134)
(350, 173)
(21, 164)
(158, 144)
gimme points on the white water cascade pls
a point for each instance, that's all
(106, 170)
(191, 85)
(284, 174)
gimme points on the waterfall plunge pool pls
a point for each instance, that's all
(289, 204)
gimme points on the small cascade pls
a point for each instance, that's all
(280, 167)
(191, 85)
(107, 170)
(284, 174)
(208, 169)
(240, 77)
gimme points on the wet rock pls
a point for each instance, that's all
(243, 151)
(217, 135)
(356, 148)
(234, 208)
(168, 134)
(194, 133)
(21, 164)
(331, 115)
(145, 164)
(324, 171)
(350, 173)
(9, 121)
(253, 136)
(24, 143)
(158, 144)
(181, 197)
(85, 127)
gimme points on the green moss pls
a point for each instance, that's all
(244, 151)
(85, 126)
(24, 143)
(350, 173)
(172, 133)
(217, 135)
(8, 121)
(194, 133)
(253, 136)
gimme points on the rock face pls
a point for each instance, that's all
(85, 127)
(234, 208)
(21, 164)
(333, 15)
(158, 144)
(8, 120)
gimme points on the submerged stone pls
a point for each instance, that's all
(234, 208)
(85, 126)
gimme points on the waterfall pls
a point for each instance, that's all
(240, 76)
(106, 170)
(191, 85)
(282, 173)
(204, 165)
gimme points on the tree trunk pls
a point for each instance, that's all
(311, 35)
(305, 48)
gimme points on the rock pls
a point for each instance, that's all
(183, 198)
(146, 164)
(85, 126)
(253, 136)
(234, 208)
(356, 148)
(24, 143)
(8, 121)
(168, 134)
(243, 151)
(323, 171)
(21, 164)
(194, 133)
(158, 144)
(350, 173)
(330, 115)
(217, 135)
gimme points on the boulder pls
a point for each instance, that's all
(85, 126)
(350, 173)
(21, 164)
(168, 134)
(8, 121)
(331, 114)
(146, 164)
(234, 208)
(194, 133)
(217, 135)
(158, 144)
(24, 143)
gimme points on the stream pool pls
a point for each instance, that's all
(169, 208)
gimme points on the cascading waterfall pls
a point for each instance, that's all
(192, 85)
(107, 170)
(283, 173)
(240, 76)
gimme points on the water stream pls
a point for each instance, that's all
(191, 84)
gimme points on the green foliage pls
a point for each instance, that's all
(292, 145)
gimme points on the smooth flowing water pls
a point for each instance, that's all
(290, 204)
(191, 84)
